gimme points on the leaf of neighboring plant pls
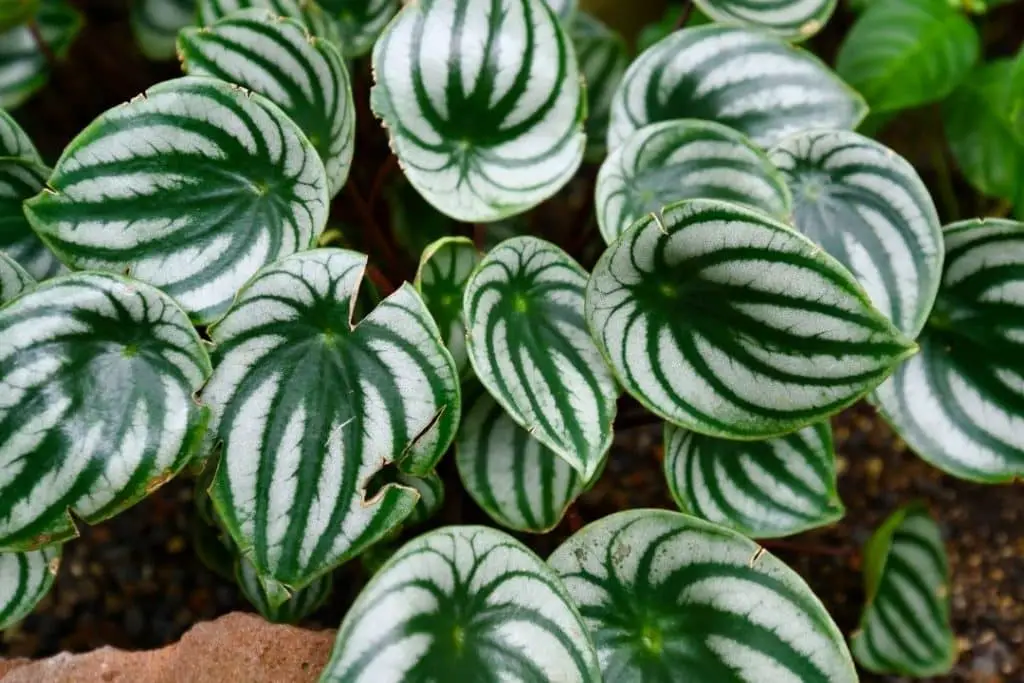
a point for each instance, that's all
(986, 142)
(763, 489)
(866, 206)
(727, 322)
(441, 279)
(747, 80)
(14, 142)
(98, 374)
(196, 225)
(603, 60)
(959, 403)
(24, 68)
(905, 626)
(19, 180)
(496, 126)
(467, 604)
(156, 23)
(310, 405)
(928, 49)
(669, 597)
(359, 22)
(275, 57)
(431, 490)
(318, 22)
(13, 279)
(300, 605)
(793, 20)
(16, 12)
(529, 346)
(25, 578)
(670, 161)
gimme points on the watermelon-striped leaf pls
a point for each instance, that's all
(19, 180)
(744, 79)
(13, 279)
(959, 403)
(318, 22)
(729, 323)
(671, 161)
(431, 491)
(275, 57)
(763, 489)
(25, 579)
(14, 142)
(359, 22)
(191, 188)
(463, 604)
(98, 375)
(790, 19)
(603, 58)
(564, 9)
(905, 626)
(445, 267)
(669, 597)
(299, 604)
(24, 66)
(496, 126)
(528, 343)
(156, 23)
(309, 405)
(867, 207)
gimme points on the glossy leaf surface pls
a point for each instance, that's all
(156, 23)
(25, 579)
(789, 19)
(445, 267)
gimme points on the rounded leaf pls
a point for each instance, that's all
(309, 12)
(191, 188)
(431, 490)
(794, 20)
(445, 267)
(496, 126)
(14, 142)
(24, 66)
(744, 79)
(98, 375)
(603, 58)
(25, 579)
(156, 23)
(682, 159)
(13, 279)
(669, 597)
(359, 22)
(297, 607)
(528, 343)
(19, 180)
(463, 604)
(727, 322)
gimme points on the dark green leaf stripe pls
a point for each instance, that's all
(669, 597)
(866, 206)
(744, 79)
(310, 404)
(156, 23)
(25, 578)
(959, 403)
(603, 59)
(313, 17)
(483, 102)
(445, 267)
(359, 22)
(905, 626)
(23, 66)
(19, 180)
(729, 323)
(14, 142)
(298, 606)
(275, 57)
(790, 19)
(565, 9)
(13, 279)
(468, 604)
(431, 490)
(681, 159)
(763, 489)
(191, 188)
(97, 381)
(528, 343)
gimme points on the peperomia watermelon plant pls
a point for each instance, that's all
(239, 276)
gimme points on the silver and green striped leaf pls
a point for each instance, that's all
(318, 22)
(959, 403)
(155, 24)
(763, 489)
(729, 323)
(905, 626)
(867, 207)
(564, 9)
(309, 404)
(14, 142)
(98, 375)
(603, 58)
(359, 22)
(25, 579)
(793, 20)
(13, 279)
(671, 161)
(529, 345)
(496, 126)
(277, 58)
(468, 604)
(24, 66)
(431, 491)
(191, 188)
(19, 180)
(299, 604)
(669, 597)
(445, 267)
(744, 79)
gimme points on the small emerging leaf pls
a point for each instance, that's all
(13, 279)
(444, 270)
(299, 604)
(21, 179)
(14, 142)
(431, 490)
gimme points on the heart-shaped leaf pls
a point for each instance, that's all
(467, 604)
(669, 597)
(98, 375)
(445, 267)
(13, 279)
(25, 578)
(866, 206)
(359, 22)
(318, 22)
(744, 79)
(132, 193)
(727, 322)
(790, 19)
(763, 489)
(603, 58)
(19, 180)
(24, 66)
(14, 142)
(959, 403)
(905, 626)
(529, 346)
(299, 604)
(431, 490)
(670, 161)
(275, 57)
(310, 405)
(496, 126)
(156, 23)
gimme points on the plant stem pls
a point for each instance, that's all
(371, 227)
(947, 193)
(44, 47)
(684, 15)
(383, 173)
(479, 236)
